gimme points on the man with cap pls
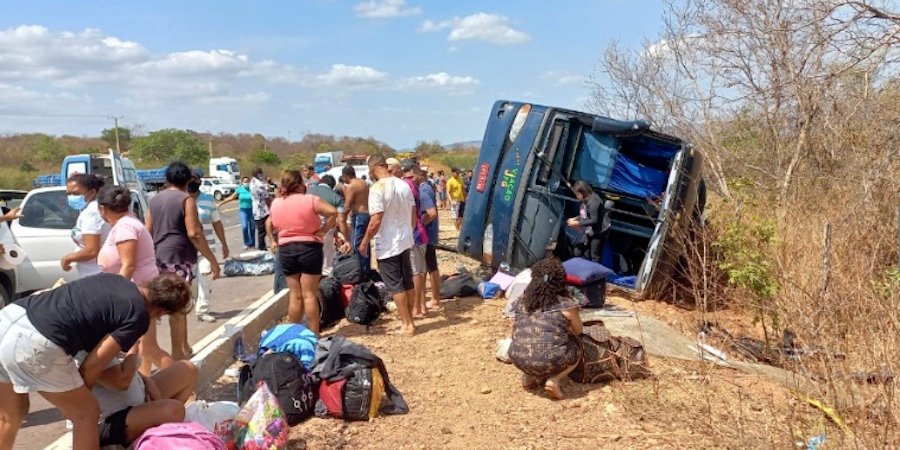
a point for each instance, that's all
(457, 193)
(393, 215)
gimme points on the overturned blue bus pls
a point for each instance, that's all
(521, 194)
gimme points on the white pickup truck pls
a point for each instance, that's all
(45, 233)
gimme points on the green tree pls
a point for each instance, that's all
(48, 149)
(425, 149)
(26, 166)
(109, 136)
(162, 146)
(266, 157)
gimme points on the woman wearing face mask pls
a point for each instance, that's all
(245, 201)
(90, 230)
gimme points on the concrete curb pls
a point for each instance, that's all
(216, 350)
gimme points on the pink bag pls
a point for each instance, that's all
(179, 436)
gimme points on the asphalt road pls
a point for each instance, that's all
(44, 424)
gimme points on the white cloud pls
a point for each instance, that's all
(31, 51)
(564, 79)
(198, 62)
(385, 9)
(429, 25)
(481, 26)
(352, 76)
(441, 81)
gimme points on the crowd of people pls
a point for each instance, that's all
(90, 346)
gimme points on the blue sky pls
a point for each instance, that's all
(400, 71)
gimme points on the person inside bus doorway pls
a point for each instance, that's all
(593, 219)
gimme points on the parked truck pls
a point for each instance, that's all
(225, 168)
(521, 194)
(110, 165)
(323, 162)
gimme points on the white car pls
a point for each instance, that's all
(45, 234)
(216, 187)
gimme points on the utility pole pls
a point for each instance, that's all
(116, 122)
(210, 148)
(289, 135)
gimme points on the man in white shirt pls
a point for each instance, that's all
(392, 211)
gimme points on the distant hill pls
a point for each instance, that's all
(463, 145)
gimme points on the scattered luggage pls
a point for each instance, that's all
(354, 382)
(590, 278)
(179, 436)
(488, 290)
(217, 417)
(261, 423)
(356, 397)
(263, 264)
(331, 304)
(346, 269)
(290, 337)
(459, 285)
(366, 304)
(608, 357)
(291, 383)
(515, 290)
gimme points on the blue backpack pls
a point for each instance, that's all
(291, 338)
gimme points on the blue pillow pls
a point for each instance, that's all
(580, 271)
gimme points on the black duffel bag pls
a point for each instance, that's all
(346, 269)
(330, 303)
(365, 304)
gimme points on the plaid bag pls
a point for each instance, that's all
(608, 357)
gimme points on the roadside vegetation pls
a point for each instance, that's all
(796, 107)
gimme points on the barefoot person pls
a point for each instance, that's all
(393, 215)
(417, 252)
(40, 335)
(429, 216)
(545, 343)
(356, 205)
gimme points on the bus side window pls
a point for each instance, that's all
(557, 136)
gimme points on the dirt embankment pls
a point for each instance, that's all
(460, 396)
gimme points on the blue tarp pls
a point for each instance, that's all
(595, 159)
(636, 179)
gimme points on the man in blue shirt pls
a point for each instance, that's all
(429, 216)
